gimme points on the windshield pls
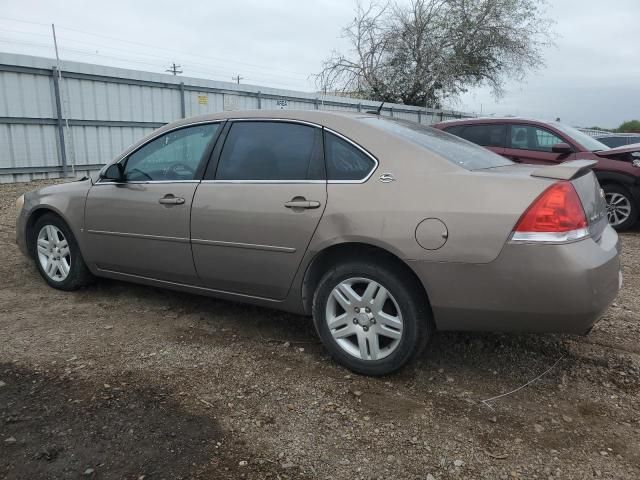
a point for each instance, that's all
(583, 139)
(461, 152)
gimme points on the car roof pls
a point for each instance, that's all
(318, 117)
(618, 135)
(469, 121)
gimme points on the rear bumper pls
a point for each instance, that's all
(528, 288)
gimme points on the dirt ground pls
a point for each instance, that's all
(119, 381)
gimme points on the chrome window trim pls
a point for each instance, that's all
(376, 163)
(154, 137)
(311, 124)
(285, 120)
(348, 140)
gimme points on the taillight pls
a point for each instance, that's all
(555, 216)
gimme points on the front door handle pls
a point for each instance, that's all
(302, 203)
(171, 200)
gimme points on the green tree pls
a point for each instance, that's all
(632, 126)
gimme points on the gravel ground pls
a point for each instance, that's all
(131, 382)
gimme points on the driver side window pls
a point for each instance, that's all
(176, 155)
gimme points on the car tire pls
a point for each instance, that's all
(369, 340)
(57, 255)
(624, 213)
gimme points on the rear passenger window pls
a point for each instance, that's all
(271, 151)
(490, 135)
(345, 161)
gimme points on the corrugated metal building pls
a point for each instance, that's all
(76, 120)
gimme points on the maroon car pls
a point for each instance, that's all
(546, 143)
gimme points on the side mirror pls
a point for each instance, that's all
(114, 172)
(562, 148)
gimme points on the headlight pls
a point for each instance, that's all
(20, 202)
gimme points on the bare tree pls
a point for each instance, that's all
(428, 50)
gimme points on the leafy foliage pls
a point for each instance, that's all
(632, 126)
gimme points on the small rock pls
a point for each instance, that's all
(107, 327)
(450, 379)
(357, 393)
(567, 418)
(603, 453)
(430, 477)
(10, 440)
(390, 458)
(2, 384)
(88, 471)
(301, 349)
(286, 344)
(538, 428)
(290, 407)
(287, 465)
(493, 419)
(458, 463)
(243, 463)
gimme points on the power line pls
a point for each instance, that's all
(154, 47)
(174, 69)
(237, 78)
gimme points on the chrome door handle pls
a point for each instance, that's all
(171, 200)
(302, 204)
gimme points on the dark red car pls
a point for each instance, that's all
(545, 143)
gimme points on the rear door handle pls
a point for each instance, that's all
(171, 200)
(302, 204)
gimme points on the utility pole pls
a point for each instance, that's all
(60, 107)
(237, 78)
(174, 69)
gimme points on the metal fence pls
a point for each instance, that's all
(72, 122)
(594, 132)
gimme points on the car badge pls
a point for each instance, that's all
(636, 163)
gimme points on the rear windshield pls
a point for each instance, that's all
(461, 152)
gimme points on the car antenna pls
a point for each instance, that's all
(376, 111)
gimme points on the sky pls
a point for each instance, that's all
(590, 77)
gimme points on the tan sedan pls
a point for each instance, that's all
(382, 230)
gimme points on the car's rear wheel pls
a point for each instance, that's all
(622, 212)
(372, 319)
(57, 254)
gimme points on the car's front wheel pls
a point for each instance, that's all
(57, 254)
(622, 212)
(372, 319)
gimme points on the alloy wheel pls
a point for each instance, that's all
(54, 254)
(364, 319)
(618, 208)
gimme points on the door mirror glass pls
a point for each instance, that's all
(114, 173)
(561, 148)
